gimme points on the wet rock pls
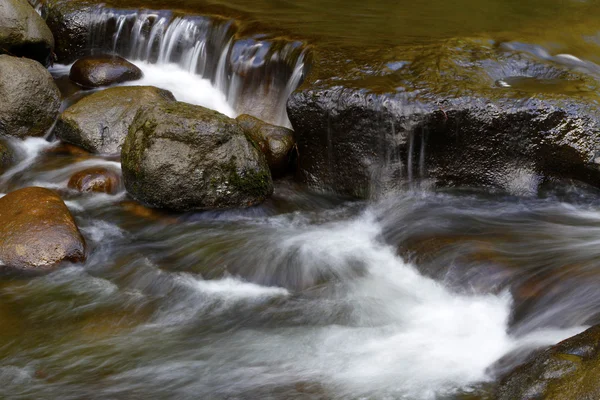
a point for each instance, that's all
(95, 180)
(70, 24)
(276, 142)
(447, 112)
(566, 371)
(6, 157)
(30, 99)
(66, 149)
(23, 33)
(103, 70)
(99, 123)
(37, 231)
(184, 157)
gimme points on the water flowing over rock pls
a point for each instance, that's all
(566, 371)
(276, 142)
(103, 70)
(442, 114)
(30, 99)
(102, 180)
(99, 123)
(23, 33)
(37, 231)
(256, 74)
(184, 157)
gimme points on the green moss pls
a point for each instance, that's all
(255, 183)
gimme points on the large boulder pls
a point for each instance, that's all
(184, 157)
(30, 100)
(23, 32)
(103, 70)
(276, 142)
(37, 231)
(99, 123)
(566, 371)
(70, 23)
(457, 112)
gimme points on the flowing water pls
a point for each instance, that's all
(418, 295)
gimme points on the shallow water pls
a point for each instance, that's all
(419, 295)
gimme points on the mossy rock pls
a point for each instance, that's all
(184, 157)
(99, 123)
(566, 371)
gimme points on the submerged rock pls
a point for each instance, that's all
(99, 123)
(103, 70)
(450, 112)
(276, 142)
(184, 157)
(23, 33)
(37, 231)
(566, 371)
(101, 180)
(30, 100)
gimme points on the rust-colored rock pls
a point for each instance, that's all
(98, 179)
(275, 142)
(103, 70)
(37, 231)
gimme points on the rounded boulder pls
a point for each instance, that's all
(99, 123)
(276, 142)
(24, 33)
(30, 100)
(100, 180)
(103, 70)
(184, 157)
(37, 231)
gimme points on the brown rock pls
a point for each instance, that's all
(275, 142)
(95, 180)
(37, 231)
(103, 70)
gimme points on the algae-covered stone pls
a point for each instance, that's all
(23, 32)
(99, 123)
(103, 70)
(29, 98)
(185, 157)
(276, 142)
(37, 231)
(454, 112)
(566, 371)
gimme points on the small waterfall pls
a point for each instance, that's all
(257, 75)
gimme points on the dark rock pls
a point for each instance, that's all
(454, 113)
(70, 23)
(276, 142)
(103, 70)
(566, 371)
(101, 180)
(29, 98)
(37, 231)
(99, 123)
(23, 33)
(184, 157)
(6, 157)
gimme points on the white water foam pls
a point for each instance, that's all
(185, 86)
(407, 336)
(27, 150)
